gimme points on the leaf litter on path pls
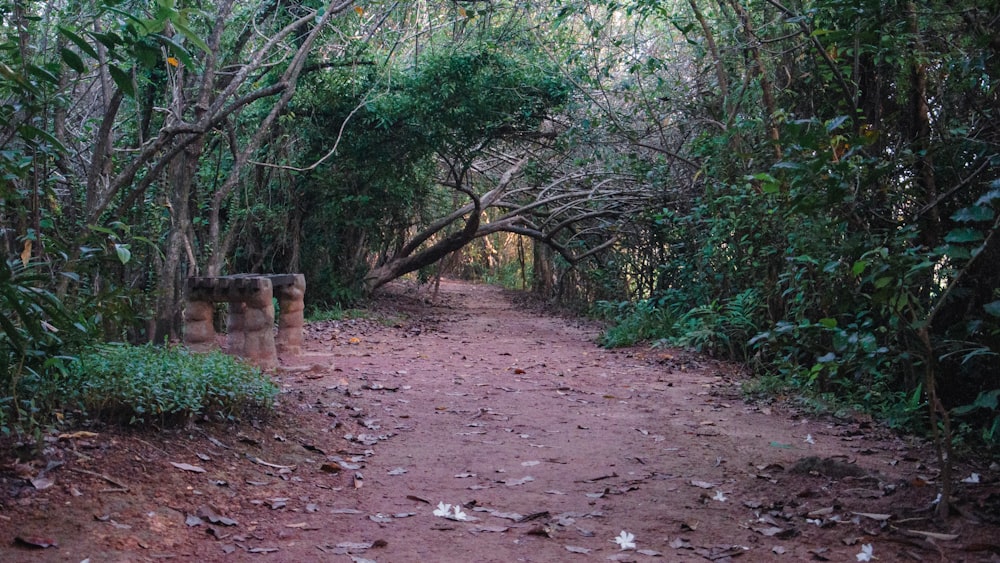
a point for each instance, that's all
(614, 420)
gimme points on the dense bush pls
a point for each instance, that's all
(150, 385)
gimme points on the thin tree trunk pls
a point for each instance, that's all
(720, 68)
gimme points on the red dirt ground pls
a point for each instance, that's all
(551, 445)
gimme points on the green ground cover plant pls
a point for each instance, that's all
(147, 385)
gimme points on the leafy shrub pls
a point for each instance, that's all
(721, 330)
(335, 313)
(36, 333)
(649, 319)
(146, 384)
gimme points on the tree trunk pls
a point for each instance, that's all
(543, 281)
(172, 277)
(400, 266)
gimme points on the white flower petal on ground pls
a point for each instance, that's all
(719, 496)
(971, 479)
(866, 552)
(809, 439)
(625, 540)
(459, 515)
(443, 510)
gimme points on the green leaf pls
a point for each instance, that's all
(989, 196)
(883, 282)
(964, 235)
(191, 36)
(986, 400)
(859, 267)
(124, 254)
(43, 74)
(833, 124)
(72, 60)
(973, 213)
(828, 322)
(80, 42)
(109, 40)
(123, 80)
(992, 308)
(177, 50)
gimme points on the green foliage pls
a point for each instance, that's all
(150, 385)
(335, 314)
(721, 330)
(864, 230)
(36, 334)
(646, 320)
(452, 106)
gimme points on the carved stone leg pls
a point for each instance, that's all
(258, 327)
(236, 336)
(291, 316)
(199, 334)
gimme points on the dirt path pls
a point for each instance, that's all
(552, 446)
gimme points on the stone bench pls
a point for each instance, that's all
(251, 314)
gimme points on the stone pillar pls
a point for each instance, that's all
(199, 334)
(251, 326)
(291, 316)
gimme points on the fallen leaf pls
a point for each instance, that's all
(873, 516)
(331, 467)
(397, 471)
(345, 511)
(210, 515)
(83, 434)
(193, 520)
(575, 549)
(496, 529)
(259, 461)
(262, 550)
(356, 546)
(933, 535)
(36, 541)
(41, 483)
(649, 553)
(497, 514)
(702, 484)
(680, 543)
(820, 553)
(517, 482)
(535, 516)
(187, 467)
